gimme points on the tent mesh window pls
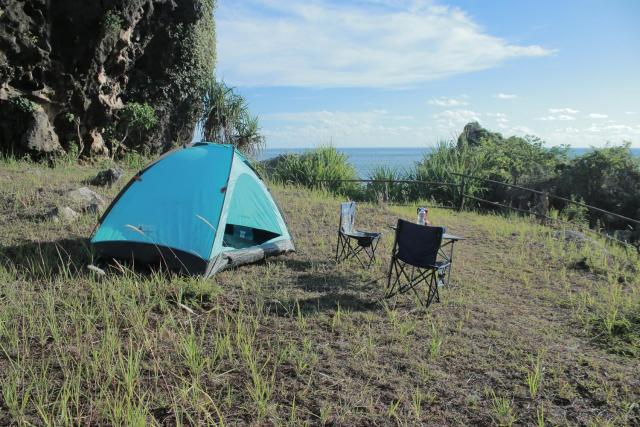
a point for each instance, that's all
(240, 236)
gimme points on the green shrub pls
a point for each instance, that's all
(138, 117)
(437, 165)
(519, 160)
(69, 157)
(391, 192)
(23, 105)
(134, 120)
(111, 23)
(608, 178)
(480, 153)
(575, 213)
(314, 166)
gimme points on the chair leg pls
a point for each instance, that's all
(417, 294)
(345, 249)
(372, 256)
(393, 289)
(433, 288)
(414, 280)
(356, 251)
(341, 248)
(387, 291)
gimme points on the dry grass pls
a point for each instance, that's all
(533, 330)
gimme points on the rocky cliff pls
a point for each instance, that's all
(69, 69)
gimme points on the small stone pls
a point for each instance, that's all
(108, 177)
(95, 209)
(84, 199)
(64, 214)
(571, 236)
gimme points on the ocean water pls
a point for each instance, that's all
(403, 158)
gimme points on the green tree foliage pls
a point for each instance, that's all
(514, 159)
(520, 160)
(606, 177)
(138, 117)
(132, 122)
(226, 119)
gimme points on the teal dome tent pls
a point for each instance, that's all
(199, 209)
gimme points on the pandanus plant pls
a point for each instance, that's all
(226, 119)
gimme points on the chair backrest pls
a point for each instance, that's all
(416, 244)
(347, 216)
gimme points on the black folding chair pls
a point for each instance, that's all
(360, 245)
(414, 261)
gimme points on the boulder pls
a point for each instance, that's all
(87, 200)
(572, 236)
(64, 214)
(40, 136)
(98, 147)
(107, 177)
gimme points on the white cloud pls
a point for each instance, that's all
(505, 96)
(561, 117)
(631, 113)
(455, 119)
(521, 130)
(563, 111)
(499, 117)
(323, 44)
(343, 129)
(598, 116)
(383, 128)
(593, 135)
(448, 102)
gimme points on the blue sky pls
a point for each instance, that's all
(387, 73)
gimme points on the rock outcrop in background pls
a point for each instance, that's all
(75, 75)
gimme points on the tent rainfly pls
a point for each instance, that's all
(198, 209)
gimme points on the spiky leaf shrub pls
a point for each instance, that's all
(391, 191)
(437, 165)
(313, 168)
(226, 119)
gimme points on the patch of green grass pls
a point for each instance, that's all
(534, 375)
(502, 410)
